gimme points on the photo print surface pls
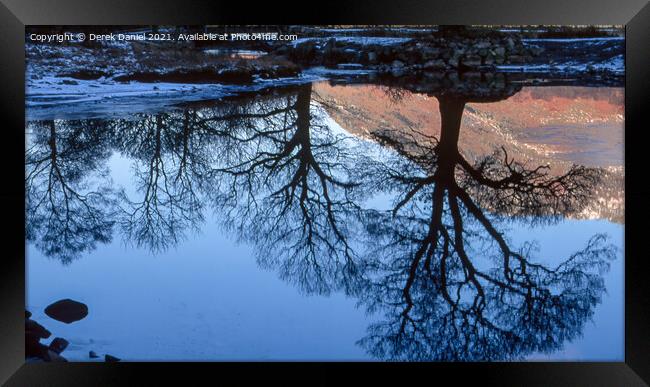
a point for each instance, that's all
(307, 193)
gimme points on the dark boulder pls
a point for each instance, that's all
(304, 52)
(85, 74)
(471, 61)
(279, 71)
(283, 50)
(35, 329)
(110, 359)
(34, 332)
(516, 59)
(500, 51)
(437, 64)
(329, 47)
(58, 345)
(54, 357)
(92, 355)
(233, 74)
(67, 311)
(35, 349)
(430, 52)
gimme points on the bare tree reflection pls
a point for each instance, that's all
(462, 306)
(170, 162)
(437, 266)
(450, 284)
(286, 188)
(70, 203)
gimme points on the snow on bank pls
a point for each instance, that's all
(54, 97)
(361, 40)
(325, 72)
(48, 96)
(365, 30)
(575, 55)
(615, 65)
(574, 40)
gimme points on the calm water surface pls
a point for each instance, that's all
(301, 225)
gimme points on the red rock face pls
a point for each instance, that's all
(581, 125)
(556, 125)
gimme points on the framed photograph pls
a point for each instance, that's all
(390, 191)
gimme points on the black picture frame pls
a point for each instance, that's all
(16, 14)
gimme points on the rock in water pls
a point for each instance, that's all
(35, 349)
(58, 345)
(35, 329)
(67, 311)
(92, 355)
(109, 358)
(55, 357)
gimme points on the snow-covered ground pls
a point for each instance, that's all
(361, 40)
(614, 65)
(52, 97)
(576, 55)
(575, 40)
(391, 29)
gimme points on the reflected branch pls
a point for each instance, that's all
(288, 189)
(440, 302)
(70, 205)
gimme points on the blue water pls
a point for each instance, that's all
(603, 338)
(209, 297)
(208, 300)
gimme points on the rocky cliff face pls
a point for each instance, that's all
(558, 126)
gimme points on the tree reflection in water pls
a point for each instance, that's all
(70, 202)
(169, 164)
(436, 267)
(447, 280)
(288, 190)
